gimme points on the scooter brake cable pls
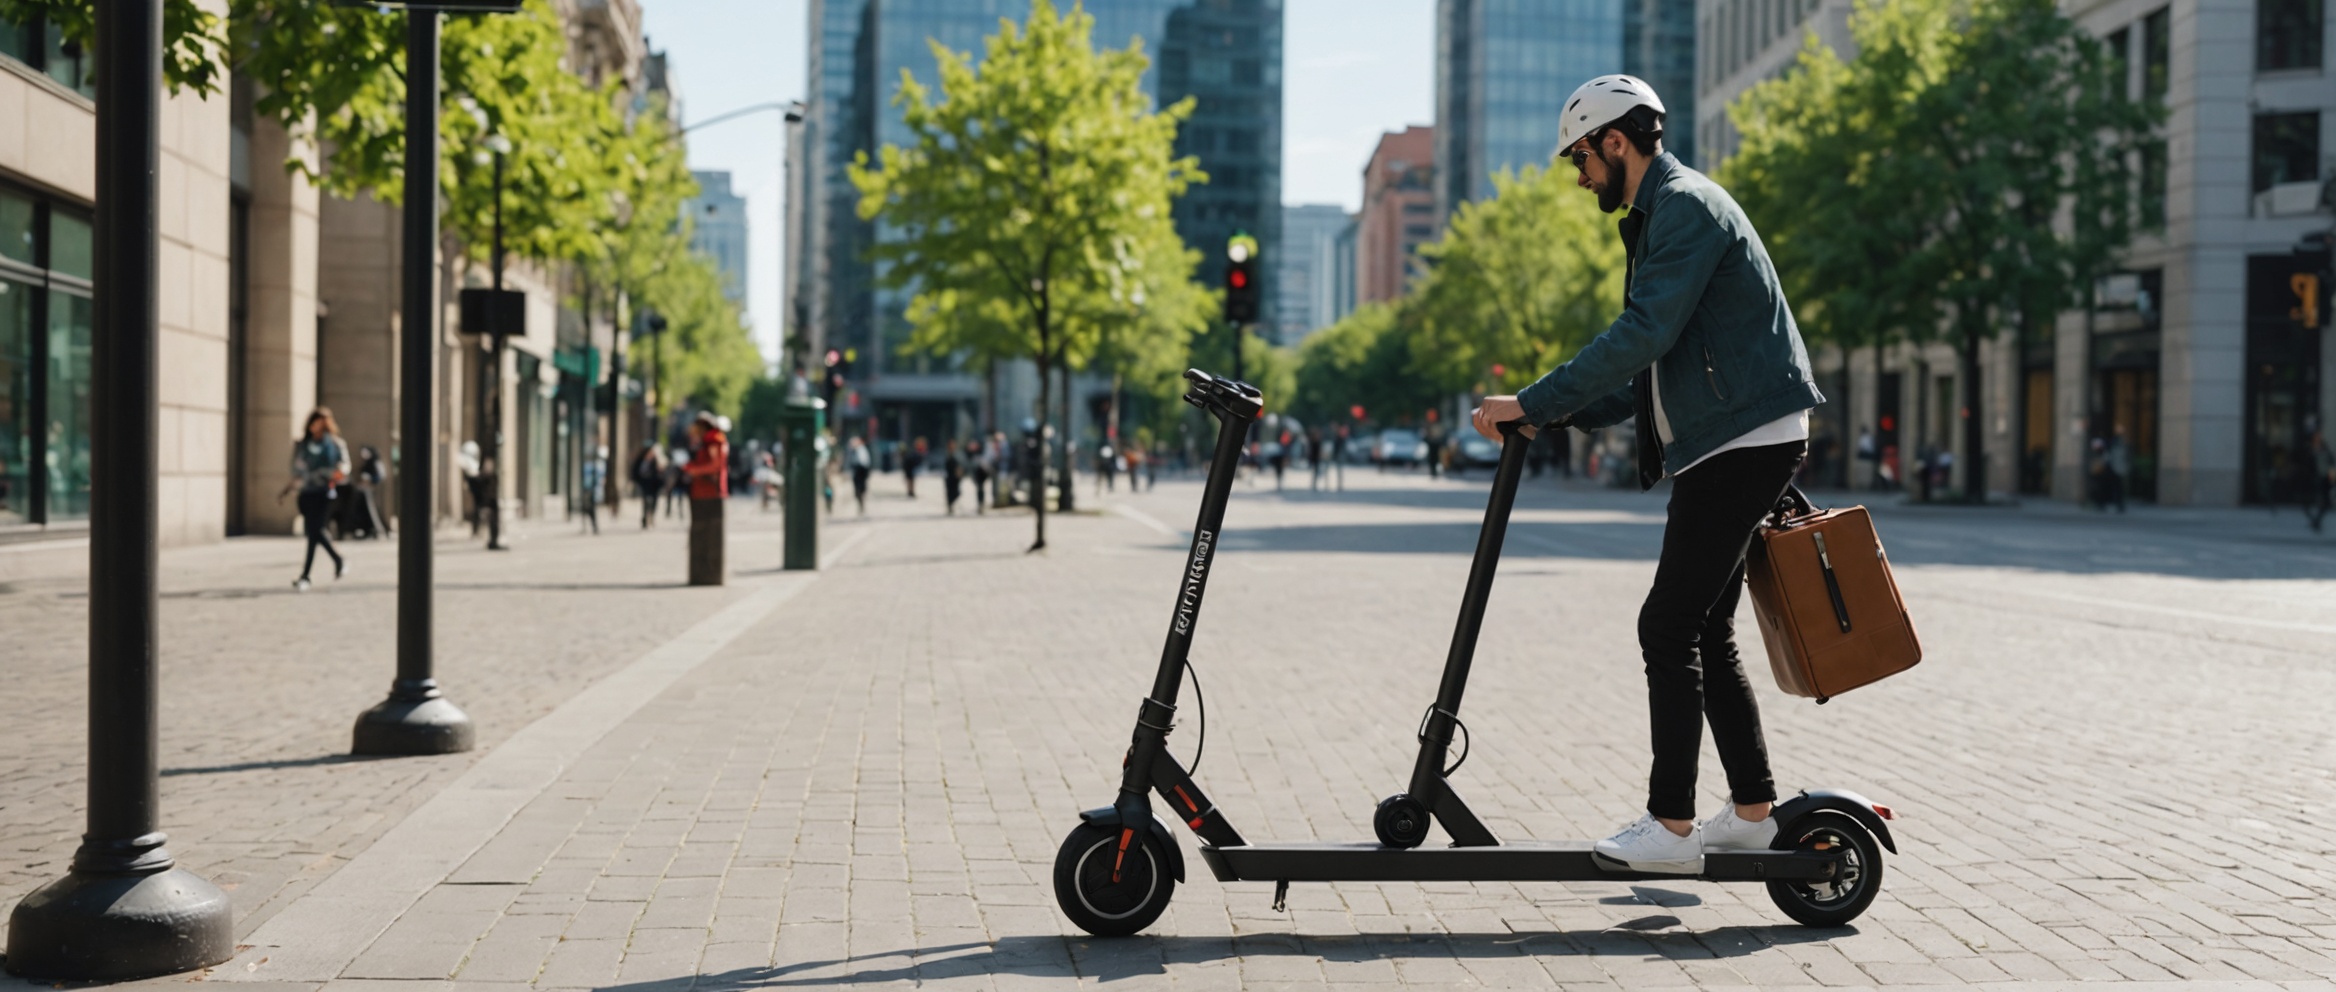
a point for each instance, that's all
(1200, 702)
(1465, 738)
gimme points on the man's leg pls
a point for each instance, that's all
(1713, 509)
(1728, 703)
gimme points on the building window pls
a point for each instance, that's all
(2119, 45)
(2156, 55)
(2288, 34)
(2287, 149)
(42, 45)
(45, 330)
(2153, 185)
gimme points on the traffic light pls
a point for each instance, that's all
(1241, 279)
(2311, 284)
(2307, 294)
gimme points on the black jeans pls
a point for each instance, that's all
(316, 511)
(1687, 629)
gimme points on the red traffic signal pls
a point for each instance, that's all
(1357, 410)
(1238, 280)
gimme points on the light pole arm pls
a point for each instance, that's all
(793, 108)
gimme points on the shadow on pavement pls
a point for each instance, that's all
(253, 766)
(1134, 957)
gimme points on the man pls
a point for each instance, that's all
(1707, 358)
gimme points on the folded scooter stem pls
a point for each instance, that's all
(1427, 775)
(1152, 723)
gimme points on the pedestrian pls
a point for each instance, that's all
(1152, 462)
(648, 481)
(1280, 459)
(2120, 459)
(320, 464)
(1134, 456)
(1867, 452)
(676, 481)
(471, 466)
(985, 466)
(1702, 309)
(766, 479)
(595, 475)
(708, 472)
(2320, 489)
(856, 458)
(1338, 456)
(912, 458)
(952, 476)
(360, 509)
(1106, 468)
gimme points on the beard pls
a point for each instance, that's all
(1610, 191)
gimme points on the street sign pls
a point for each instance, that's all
(483, 311)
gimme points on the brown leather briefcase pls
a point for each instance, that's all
(1828, 609)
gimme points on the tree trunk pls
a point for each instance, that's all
(1038, 478)
(1974, 425)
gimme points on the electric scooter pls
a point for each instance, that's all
(1116, 871)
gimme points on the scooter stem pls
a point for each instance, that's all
(1436, 736)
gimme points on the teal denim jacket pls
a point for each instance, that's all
(1701, 303)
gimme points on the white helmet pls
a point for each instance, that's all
(1603, 101)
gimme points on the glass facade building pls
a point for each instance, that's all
(45, 330)
(1226, 54)
(1505, 67)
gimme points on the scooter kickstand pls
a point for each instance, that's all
(1281, 896)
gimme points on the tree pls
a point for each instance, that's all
(1519, 282)
(1970, 168)
(1366, 360)
(191, 36)
(1024, 186)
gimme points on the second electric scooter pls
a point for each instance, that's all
(1116, 871)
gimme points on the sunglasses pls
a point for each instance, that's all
(1581, 149)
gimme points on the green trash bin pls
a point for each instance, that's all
(801, 424)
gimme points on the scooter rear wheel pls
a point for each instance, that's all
(1085, 886)
(1401, 821)
(1832, 903)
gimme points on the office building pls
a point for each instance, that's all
(2193, 353)
(275, 298)
(1304, 270)
(1398, 215)
(1505, 67)
(1225, 53)
(718, 230)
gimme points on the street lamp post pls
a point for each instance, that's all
(492, 470)
(123, 910)
(417, 718)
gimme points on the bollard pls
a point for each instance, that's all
(802, 422)
(709, 494)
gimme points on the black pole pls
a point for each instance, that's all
(123, 910)
(492, 470)
(416, 719)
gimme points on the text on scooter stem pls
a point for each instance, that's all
(1201, 543)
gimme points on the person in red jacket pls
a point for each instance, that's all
(708, 472)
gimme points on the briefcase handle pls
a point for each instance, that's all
(1792, 505)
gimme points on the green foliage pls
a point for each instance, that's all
(709, 360)
(191, 36)
(1032, 203)
(1521, 281)
(1970, 169)
(1365, 359)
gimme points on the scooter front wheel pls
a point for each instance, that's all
(1837, 901)
(1112, 881)
(1400, 821)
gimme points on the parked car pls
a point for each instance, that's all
(1474, 450)
(1362, 448)
(1401, 447)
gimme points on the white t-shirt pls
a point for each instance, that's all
(1790, 427)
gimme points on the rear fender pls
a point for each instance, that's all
(1109, 816)
(1858, 808)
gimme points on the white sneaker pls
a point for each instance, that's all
(1647, 845)
(300, 584)
(1728, 832)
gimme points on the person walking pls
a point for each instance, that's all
(985, 467)
(1106, 468)
(856, 458)
(594, 474)
(2120, 461)
(320, 464)
(1708, 360)
(912, 459)
(648, 481)
(472, 467)
(360, 511)
(676, 482)
(708, 472)
(2320, 489)
(952, 476)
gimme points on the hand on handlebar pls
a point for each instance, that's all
(1498, 410)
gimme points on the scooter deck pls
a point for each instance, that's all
(1554, 861)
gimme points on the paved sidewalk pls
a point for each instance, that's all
(2112, 769)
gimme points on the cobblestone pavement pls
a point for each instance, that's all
(2114, 766)
(261, 685)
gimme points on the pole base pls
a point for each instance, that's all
(93, 927)
(397, 726)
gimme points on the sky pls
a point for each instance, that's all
(1351, 70)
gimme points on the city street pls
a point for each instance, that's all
(2115, 764)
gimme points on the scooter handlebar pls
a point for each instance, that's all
(1221, 395)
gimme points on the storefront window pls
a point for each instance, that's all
(45, 331)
